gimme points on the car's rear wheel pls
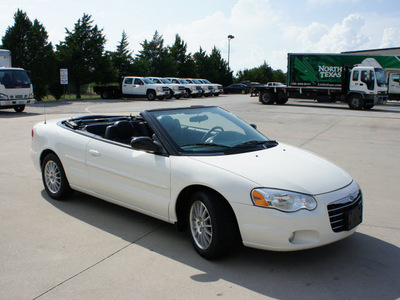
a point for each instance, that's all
(210, 224)
(54, 179)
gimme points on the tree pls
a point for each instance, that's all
(212, 67)
(184, 65)
(153, 59)
(122, 59)
(83, 54)
(220, 70)
(30, 50)
(263, 74)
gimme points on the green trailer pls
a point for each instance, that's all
(358, 80)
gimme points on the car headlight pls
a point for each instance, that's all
(3, 96)
(282, 200)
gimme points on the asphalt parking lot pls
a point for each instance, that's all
(85, 248)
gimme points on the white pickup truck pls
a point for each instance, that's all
(132, 86)
(175, 90)
(191, 89)
(138, 86)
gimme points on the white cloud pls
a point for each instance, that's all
(391, 37)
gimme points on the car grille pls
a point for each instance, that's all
(165, 89)
(346, 213)
(181, 88)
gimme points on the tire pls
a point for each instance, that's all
(281, 101)
(267, 97)
(19, 109)
(368, 106)
(105, 95)
(211, 227)
(177, 96)
(54, 180)
(161, 97)
(356, 102)
(151, 95)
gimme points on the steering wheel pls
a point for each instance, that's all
(212, 132)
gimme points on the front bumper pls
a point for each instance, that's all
(270, 229)
(15, 102)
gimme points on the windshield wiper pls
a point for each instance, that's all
(254, 143)
(205, 144)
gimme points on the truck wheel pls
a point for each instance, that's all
(161, 97)
(105, 95)
(356, 102)
(19, 108)
(368, 106)
(177, 96)
(151, 95)
(267, 97)
(281, 101)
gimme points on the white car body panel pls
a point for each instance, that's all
(139, 179)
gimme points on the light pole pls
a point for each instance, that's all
(229, 46)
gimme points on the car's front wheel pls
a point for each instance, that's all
(210, 224)
(54, 179)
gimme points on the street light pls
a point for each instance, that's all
(229, 46)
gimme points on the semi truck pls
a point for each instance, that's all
(16, 89)
(358, 80)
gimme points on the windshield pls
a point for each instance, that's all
(164, 80)
(148, 81)
(210, 130)
(380, 77)
(14, 77)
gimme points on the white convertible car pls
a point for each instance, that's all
(205, 169)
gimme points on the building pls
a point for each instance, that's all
(384, 51)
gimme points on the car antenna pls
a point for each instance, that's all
(44, 112)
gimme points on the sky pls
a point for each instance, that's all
(263, 30)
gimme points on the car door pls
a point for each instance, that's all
(139, 87)
(394, 83)
(136, 179)
(127, 86)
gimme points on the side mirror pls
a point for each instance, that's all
(144, 143)
(254, 126)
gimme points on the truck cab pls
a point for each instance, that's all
(393, 84)
(15, 89)
(139, 86)
(369, 83)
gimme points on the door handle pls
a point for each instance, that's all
(94, 153)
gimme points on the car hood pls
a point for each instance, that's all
(283, 167)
